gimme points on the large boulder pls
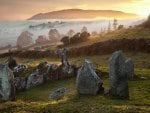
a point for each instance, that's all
(87, 80)
(34, 79)
(129, 68)
(118, 77)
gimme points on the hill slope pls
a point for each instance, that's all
(82, 14)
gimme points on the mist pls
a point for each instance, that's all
(10, 30)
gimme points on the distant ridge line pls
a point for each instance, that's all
(82, 14)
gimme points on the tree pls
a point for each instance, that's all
(54, 35)
(70, 33)
(84, 29)
(115, 23)
(109, 27)
(94, 33)
(77, 38)
(65, 40)
(149, 17)
(120, 27)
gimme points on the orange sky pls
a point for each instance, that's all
(23, 9)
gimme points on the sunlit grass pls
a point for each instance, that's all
(133, 33)
(36, 99)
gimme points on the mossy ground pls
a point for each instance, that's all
(35, 100)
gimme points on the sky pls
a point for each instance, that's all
(23, 9)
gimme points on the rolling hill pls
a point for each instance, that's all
(82, 14)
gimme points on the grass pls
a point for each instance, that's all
(141, 60)
(35, 100)
(132, 33)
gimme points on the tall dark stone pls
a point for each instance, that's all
(7, 88)
(129, 68)
(118, 76)
(67, 69)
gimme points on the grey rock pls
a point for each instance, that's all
(52, 72)
(118, 77)
(42, 68)
(34, 79)
(87, 80)
(129, 68)
(58, 94)
(20, 83)
(67, 70)
(6, 83)
(64, 57)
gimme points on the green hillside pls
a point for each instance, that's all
(130, 33)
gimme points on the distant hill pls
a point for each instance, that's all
(82, 14)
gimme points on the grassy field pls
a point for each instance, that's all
(132, 33)
(35, 100)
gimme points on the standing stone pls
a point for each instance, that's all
(129, 68)
(67, 69)
(7, 91)
(118, 77)
(64, 59)
(87, 80)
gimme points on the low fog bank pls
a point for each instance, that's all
(9, 31)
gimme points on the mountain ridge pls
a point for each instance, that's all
(82, 14)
